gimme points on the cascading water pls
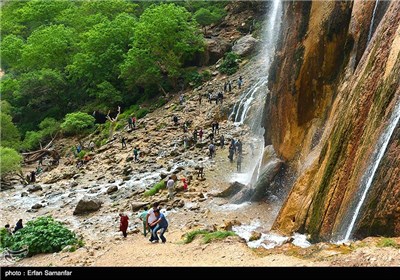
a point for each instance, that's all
(368, 177)
(371, 26)
(250, 105)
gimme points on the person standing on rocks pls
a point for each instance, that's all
(91, 146)
(229, 86)
(175, 119)
(142, 216)
(123, 141)
(185, 185)
(130, 127)
(231, 152)
(170, 187)
(134, 122)
(225, 86)
(33, 176)
(239, 163)
(240, 82)
(181, 99)
(211, 149)
(18, 226)
(150, 218)
(123, 223)
(222, 141)
(201, 135)
(200, 98)
(136, 154)
(195, 135)
(161, 224)
(216, 127)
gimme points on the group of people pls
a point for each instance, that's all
(153, 222)
(131, 122)
(236, 147)
(17, 227)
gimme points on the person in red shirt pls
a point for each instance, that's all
(123, 223)
(185, 185)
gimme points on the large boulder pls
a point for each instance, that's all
(215, 49)
(87, 205)
(233, 188)
(245, 45)
(33, 188)
(137, 205)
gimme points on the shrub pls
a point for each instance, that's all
(76, 123)
(81, 154)
(32, 140)
(10, 161)
(141, 113)
(206, 75)
(230, 65)
(43, 235)
(9, 135)
(49, 127)
(155, 189)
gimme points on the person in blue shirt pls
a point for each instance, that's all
(161, 224)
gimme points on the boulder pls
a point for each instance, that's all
(215, 49)
(137, 205)
(87, 205)
(245, 45)
(37, 206)
(112, 189)
(72, 184)
(255, 235)
(33, 188)
(233, 188)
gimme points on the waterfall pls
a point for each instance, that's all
(248, 109)
(368, 177)
(371, 25)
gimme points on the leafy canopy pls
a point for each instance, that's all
(8, 131)
(164, 38)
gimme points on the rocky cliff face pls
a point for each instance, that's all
(332, 94)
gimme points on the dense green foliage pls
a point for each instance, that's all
(230, 64)
(206, 16)
(9, 134)
(43, 235)
(77, 122)
(65, 56)
(10, 161)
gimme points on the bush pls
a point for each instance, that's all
(32, 140)
(230, 65)
(206, 75)
(76, 123)
(81, 154)
(141, 113)
(9, 135)
(190, 236)
(49, 127)
(155, 189)
(43, 235)
(10, 161)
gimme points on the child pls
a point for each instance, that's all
(185, 185)
(142, 216)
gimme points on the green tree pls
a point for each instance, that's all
(11, 47)
(205, 17)
(164, 38)
(48, 47)
(10, 161)
(8, 132)
(78, 122)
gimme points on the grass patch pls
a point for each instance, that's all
(190, 236)
(155, 189)
(217, 235)
(207, 236)
(388, 242)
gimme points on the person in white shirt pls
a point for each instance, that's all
(150, 218)
(170, 187)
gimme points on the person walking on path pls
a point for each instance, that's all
(161, 224)
(231, 153)
(201, 135)
(123, 223)
(150, 218)
(134, 122)
(170, 187)
(142, 216)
